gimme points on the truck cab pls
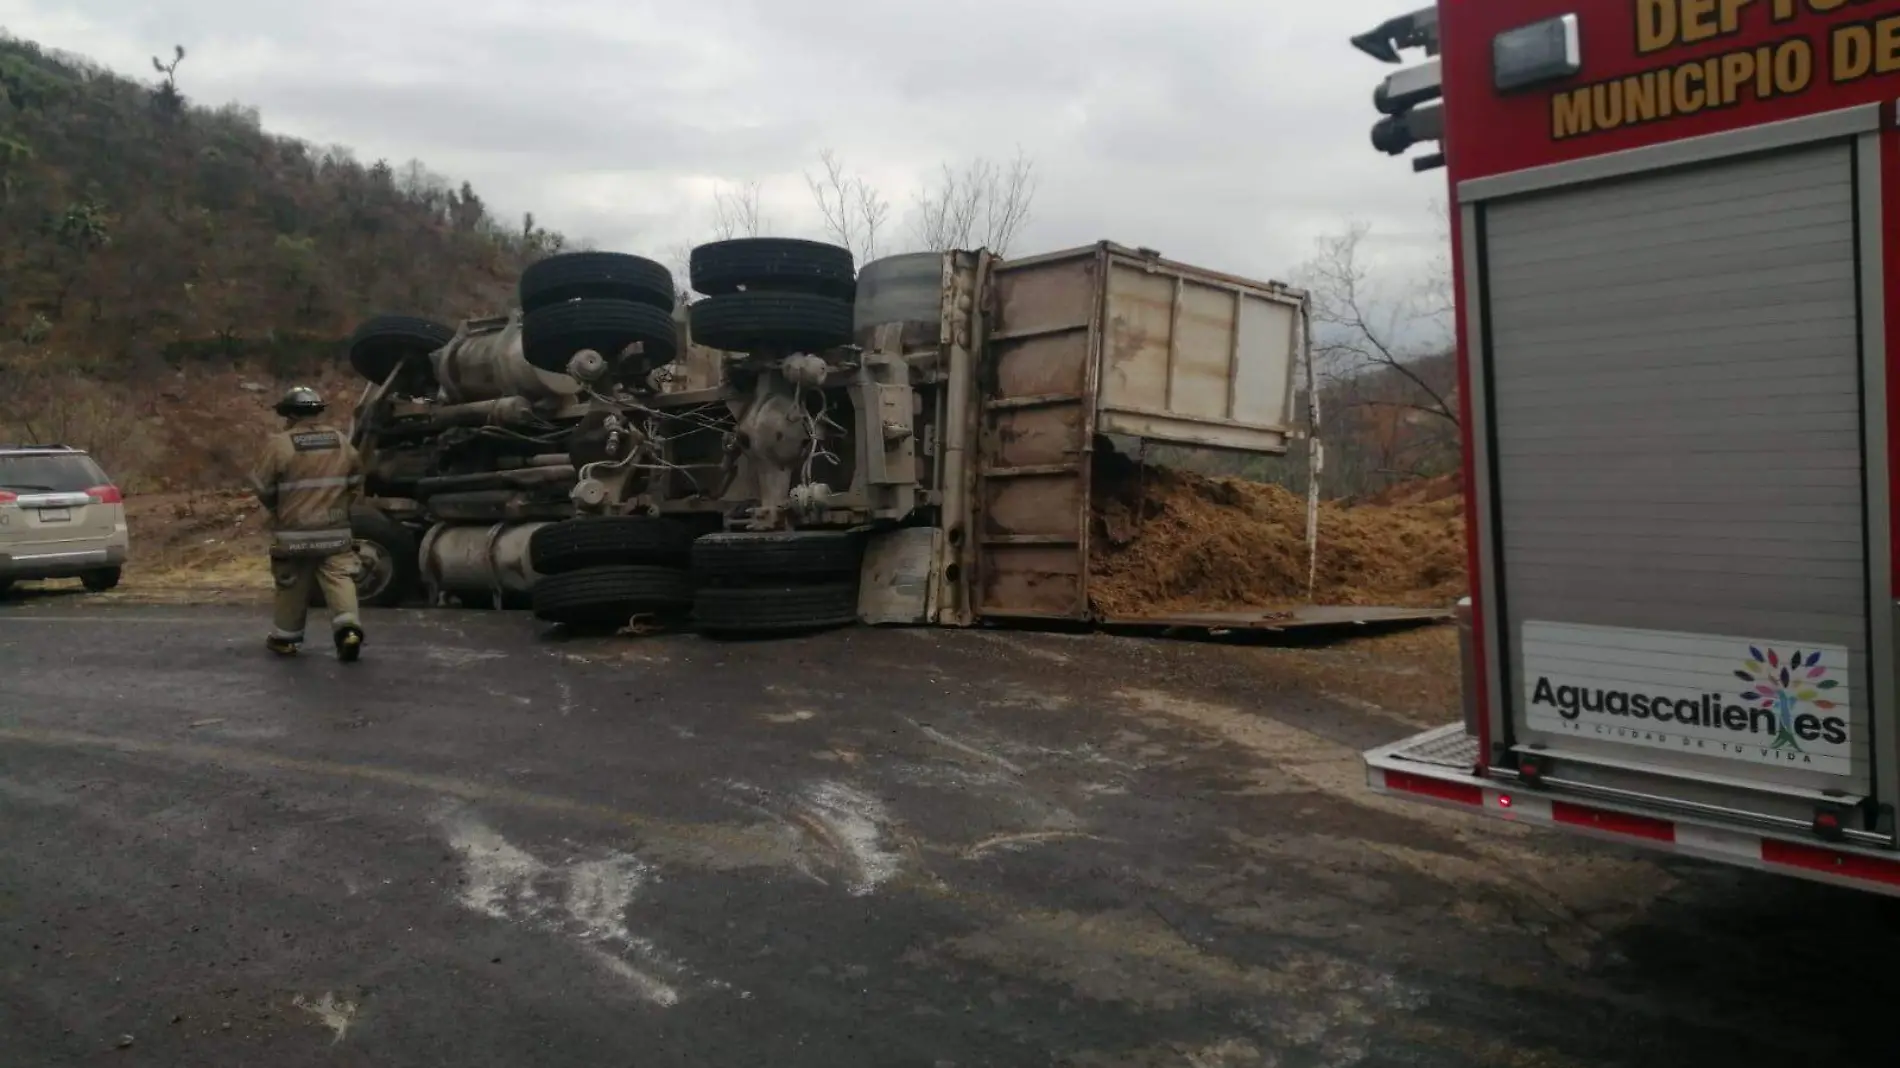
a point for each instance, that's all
(1673, 222)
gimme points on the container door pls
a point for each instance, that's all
(1036, 386)
(1675, 374)
(1197, 359)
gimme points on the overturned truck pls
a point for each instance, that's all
(806, 444)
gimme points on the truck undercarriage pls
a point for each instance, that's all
(606, 451)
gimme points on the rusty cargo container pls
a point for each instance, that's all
(1069, 346)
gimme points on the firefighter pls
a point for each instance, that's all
(307, 479)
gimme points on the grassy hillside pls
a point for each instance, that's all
(141, 236)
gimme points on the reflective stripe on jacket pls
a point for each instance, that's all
(308, 477)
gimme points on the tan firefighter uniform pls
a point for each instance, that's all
(308, 477)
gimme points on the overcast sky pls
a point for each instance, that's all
(1227, 133)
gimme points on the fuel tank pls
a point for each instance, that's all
(486, 560)
(484, 362)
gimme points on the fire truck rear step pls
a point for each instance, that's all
(1445, 747)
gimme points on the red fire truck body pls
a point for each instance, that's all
(1674, 225)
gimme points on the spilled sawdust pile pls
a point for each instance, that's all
(1172, 541)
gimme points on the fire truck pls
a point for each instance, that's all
(1673, 222)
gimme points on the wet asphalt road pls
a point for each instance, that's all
(482, 847)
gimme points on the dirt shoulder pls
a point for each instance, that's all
(206, 547)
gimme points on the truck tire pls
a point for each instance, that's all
(551, 335)
(760, 610)
(609, 596)
(569, 276)
(752, 322)
(906, 288)
(780, 558)
(389, 566)
(773, 264)
(605, 541)
(380, 343)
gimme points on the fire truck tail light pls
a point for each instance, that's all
(1541, 52)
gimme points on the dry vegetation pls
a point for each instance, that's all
(145, 238)
(167, 270)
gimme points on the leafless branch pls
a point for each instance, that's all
(1403, 405)
(852, 209)
(873, 209)
(1358, 340)
(983, 204)
(736, 212)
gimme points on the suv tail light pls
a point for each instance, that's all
(106, 495)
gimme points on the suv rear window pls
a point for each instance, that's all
(65, 473)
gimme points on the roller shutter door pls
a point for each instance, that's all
(1676, 410)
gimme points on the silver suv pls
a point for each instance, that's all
(60, 517)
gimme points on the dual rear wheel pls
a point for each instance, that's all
(601, 571)
(772, 294)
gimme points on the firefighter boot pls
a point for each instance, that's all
(281, 646)
(349, 643)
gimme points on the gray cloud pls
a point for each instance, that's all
(1224, 132)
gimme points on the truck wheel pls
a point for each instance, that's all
(604, 541)
(906, 288)
(609, 596)
(551, 335)
(750, 322)
(784, 558)
(773, 264)
(388, 566)
(101, 580)
(596, 276)
(379, 344)
(759, 610)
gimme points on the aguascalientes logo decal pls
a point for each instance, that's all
(1781, 686)
(1787, 702)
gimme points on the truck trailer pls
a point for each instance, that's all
(1673, 224)
(807, 444)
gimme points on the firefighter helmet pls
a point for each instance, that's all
(300, 400)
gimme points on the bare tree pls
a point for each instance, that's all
(169, 100)
(854, 212)
(985, 204)
(1358, 333)
(736, 212)
(1385, 355)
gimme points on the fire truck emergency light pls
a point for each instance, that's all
(1416, 30)
(1408, 88)
(1540, 52)
(1394, 135)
